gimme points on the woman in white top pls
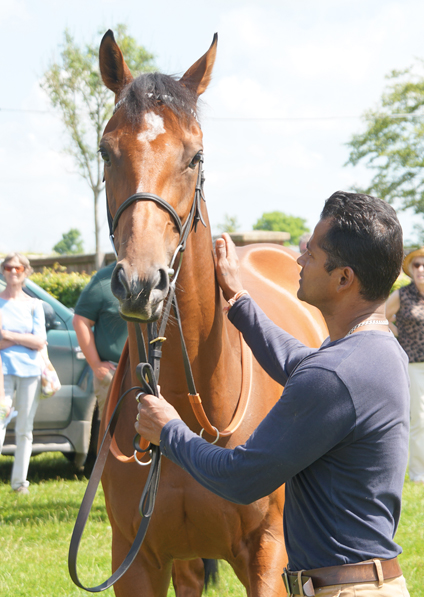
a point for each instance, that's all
(23, 334)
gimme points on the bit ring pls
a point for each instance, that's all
(217, 437)
(139, 461)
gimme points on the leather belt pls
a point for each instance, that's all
(305, 581)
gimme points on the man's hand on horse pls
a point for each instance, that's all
(227, 266)
(153, 414)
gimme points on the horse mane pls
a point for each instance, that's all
(150, 90)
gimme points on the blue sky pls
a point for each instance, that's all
(299, 74)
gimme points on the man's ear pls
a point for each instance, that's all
(346, 278)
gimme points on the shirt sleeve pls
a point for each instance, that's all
(39, 321)
(275, 350)
(314, 414)
(90, 300)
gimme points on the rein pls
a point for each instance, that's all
(146, 377)
(147, 372)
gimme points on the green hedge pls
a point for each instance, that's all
(403, 280)
(65, 287)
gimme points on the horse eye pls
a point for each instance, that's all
(195, 160)
(105, 155)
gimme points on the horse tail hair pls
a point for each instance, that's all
(211, 572)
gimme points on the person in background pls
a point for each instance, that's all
(23, 335)
(97, 307)
(303, 242)
(405, 312)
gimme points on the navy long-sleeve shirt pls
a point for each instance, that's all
(338, 439)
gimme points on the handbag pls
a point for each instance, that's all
(50, 382)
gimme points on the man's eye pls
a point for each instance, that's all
(195, 160)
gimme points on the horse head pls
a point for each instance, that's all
(152, 153)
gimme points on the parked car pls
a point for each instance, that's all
(68, 421)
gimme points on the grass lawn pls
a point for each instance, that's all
(35, 531)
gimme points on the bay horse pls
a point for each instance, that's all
(153, 145)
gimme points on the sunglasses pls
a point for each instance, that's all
(417, 265)
(18, 268)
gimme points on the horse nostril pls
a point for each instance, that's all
(163, 283)
(123, 280)
(119, 283)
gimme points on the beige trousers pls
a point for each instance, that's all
(101, 388)
(396, 587)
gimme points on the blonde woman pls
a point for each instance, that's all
(405, 312)
(23, 334)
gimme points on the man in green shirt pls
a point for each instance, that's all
(98, 308)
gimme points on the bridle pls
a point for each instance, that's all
(193, 218)
(147, 373)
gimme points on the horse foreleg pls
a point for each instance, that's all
(266, 566)
(145, 577)
(188, 577)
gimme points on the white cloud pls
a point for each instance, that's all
(277, 58)
(41, 182)
(13, 9)
(243, 96)
(349, 53)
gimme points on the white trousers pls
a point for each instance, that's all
(24, 394)
(416, 436)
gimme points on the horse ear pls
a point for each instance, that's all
(199, 75)
(115, 73)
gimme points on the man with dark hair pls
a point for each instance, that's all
(338, 436)
(367, 236)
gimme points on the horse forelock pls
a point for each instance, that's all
(151, 90)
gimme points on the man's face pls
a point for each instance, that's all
(316, 285)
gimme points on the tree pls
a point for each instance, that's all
(277, 220)
(74, 86)
(393, 141)
(230, 224)
(70, 244)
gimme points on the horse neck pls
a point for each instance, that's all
(212, 342)
(198, 293)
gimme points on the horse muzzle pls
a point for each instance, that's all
(140, 298)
